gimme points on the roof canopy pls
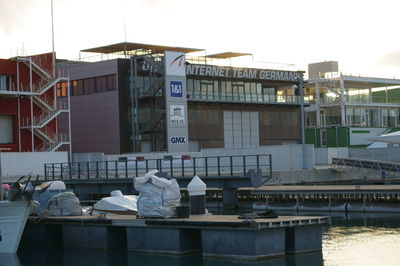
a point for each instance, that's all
(226, 55)
(129, 46)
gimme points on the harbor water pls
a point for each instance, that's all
(350, 239)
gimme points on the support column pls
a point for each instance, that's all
(229, 197)
(342, 101)
(317, 104)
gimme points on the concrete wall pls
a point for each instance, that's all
(381, 154)
(22, 163)
(324, 156)
(284, 157)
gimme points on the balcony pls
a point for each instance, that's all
(244, 98)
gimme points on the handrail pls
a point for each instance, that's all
(182, 167)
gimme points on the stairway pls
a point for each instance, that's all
(50, 108)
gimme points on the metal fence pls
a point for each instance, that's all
(212, 166)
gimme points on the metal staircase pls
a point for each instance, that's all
(149, 95)
(48, 105)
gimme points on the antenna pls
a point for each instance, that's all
(52, 40)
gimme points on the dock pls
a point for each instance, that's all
(346, 198)
(223, 236)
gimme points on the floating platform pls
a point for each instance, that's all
(225, 236)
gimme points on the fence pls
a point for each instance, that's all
(212, 166)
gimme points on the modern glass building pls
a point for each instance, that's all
(139, 98)
(345, 110)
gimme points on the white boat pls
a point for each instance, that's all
(13, 216)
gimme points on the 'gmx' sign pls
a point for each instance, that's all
(178, 140)
(176, 88)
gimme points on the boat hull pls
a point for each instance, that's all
(13, 216)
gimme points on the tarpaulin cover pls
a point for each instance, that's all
(158, 197)
(117, 202)
(64, 204)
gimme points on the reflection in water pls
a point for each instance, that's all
(351, 239)
(360, 245)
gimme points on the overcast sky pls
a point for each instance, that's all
(363, 35)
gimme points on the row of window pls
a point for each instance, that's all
(227, 87)
(88, 86)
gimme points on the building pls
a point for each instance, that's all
(163, 98)
(345, 110)
(29, 108)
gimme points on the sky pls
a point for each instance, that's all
(363, 35)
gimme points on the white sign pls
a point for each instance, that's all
(175, 63)
(177, 114)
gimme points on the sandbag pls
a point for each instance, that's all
(158, 197)
(64, 204)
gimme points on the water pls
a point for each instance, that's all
(353, 239)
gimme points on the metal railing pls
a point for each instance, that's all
(244, 97)
(212, 166)
(365, 164)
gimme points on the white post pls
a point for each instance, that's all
(31, 87)
(19, 111)
(69, 119)
(342, 100)
(317, 103)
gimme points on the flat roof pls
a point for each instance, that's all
(130, 46)
(226, 55)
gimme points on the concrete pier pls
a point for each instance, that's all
(224, 236)
(163, 240)
(300, 239)
(244, 244)
(93, 236)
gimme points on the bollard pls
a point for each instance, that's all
(197, 196)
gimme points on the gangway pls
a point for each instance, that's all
(368, 165)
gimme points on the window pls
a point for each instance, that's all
(323, 137)
(88, 86)
(62, 89)
(111, 83)
(5, 82)
(101, 84)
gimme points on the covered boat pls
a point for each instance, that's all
(117, 204)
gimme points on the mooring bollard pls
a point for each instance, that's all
(197, 195)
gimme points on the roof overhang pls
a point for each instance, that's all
(129, 46)
(227, 55)
(373, 82)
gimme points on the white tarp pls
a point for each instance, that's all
(117, 203)
(158, 197)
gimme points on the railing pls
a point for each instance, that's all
(48, 146)
(214, 166)
(40, 119)
(244, 97)
(239, 62)
(361, 99)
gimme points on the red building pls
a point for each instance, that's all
(29, 108)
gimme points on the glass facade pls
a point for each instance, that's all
(238, 91)
(372, 116)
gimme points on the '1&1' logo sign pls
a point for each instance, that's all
(176, 88)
